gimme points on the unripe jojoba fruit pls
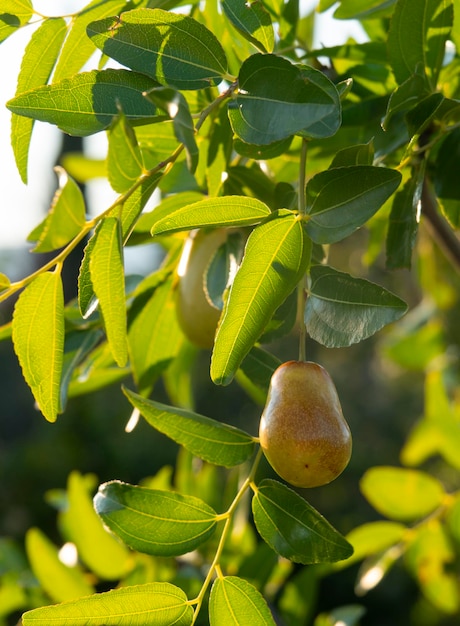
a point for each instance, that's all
(303, 433)
(196, 315)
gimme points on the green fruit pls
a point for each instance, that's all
(197, 317)
(302, 429)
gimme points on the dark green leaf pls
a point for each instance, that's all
(344, 615)
(212, 212)
(420, 117)
(88, 102)
(293, 528)
(403, 222)
(235, 602)
(77, 346)
(15, 13)
(342, 310)
(276, 257)
(161, 523)
(259, 366)
(264, 153)
(417, 37)
(277, 99)
(208, 439)
(406, 96)
(361, 154)
(445, 177)
(36, 67)
(38, 338)
(175, 49)
(253, 21)
(152, 604)
(402, 494)
(176, 106)
(340, 200)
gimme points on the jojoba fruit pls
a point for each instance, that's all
(302, 431)
(196, 315)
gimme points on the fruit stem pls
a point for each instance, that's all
(302, 286)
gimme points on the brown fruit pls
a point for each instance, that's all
(302, 429)
(196, 315)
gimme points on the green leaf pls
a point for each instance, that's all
(154, 335)
(403, 222)
(134, 205)
(373, 538)
(259, 366)
(342, 616)
(36, 67)
(276, 257)
(277, 99)
(176, 106)
(402, 494)
(59, 581)
(445, 177)
(212, 212)
(204, 437)
(175, 49)
(153, 604)
(15, 13)
(264, 153)
(5, 282)
(342, 310)
(363, 9)
(340, 200)
(66, 216)
(38, 338)
(406, 96)
(234, 601)
(124, 160)
(293, 528)
(253, 21)
(107, 277)
(417, 38)
(360, 154)
(161, 523)
(88, 102)
(98, 549)
(78, 48)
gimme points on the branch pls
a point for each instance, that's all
(439, 228)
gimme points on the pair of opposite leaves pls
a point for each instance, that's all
(302, 430)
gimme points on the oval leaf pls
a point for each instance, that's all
(212, 212)
(175, 49)
(276, 257)
(208, 439)
(107, 276)
(276, 99)
(161, 523)
(342, 310)
(234, 601)
(293, 528)
(38, 338)
(253, 21)
(342, 199)
(36, 67)
(153, 604)
(402, 494)
(88, 102)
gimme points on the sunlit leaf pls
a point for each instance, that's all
(340, 200)
(4, 282)
(38, 338)
(212, 212)
(107, 277)
(373, 538)
(66, 216)
(97, 548)
(175, 49)
(253, 21)
(124, 161)
(88, 102)
(15, 13)
(206, 438)
(235, 602)
(162, 523)
(293, 528)
(277, 99)
(402, 494)
(36, 67)
(78, 48)
(276, 257)
(342, 310)
(152, 604)
(60, 581)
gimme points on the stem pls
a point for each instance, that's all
(439, 228)
(302, 286)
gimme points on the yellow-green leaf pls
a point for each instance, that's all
(38, 338)
(15, 13)
(107, 276)
(235, 602)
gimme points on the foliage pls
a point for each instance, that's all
(229, 118)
